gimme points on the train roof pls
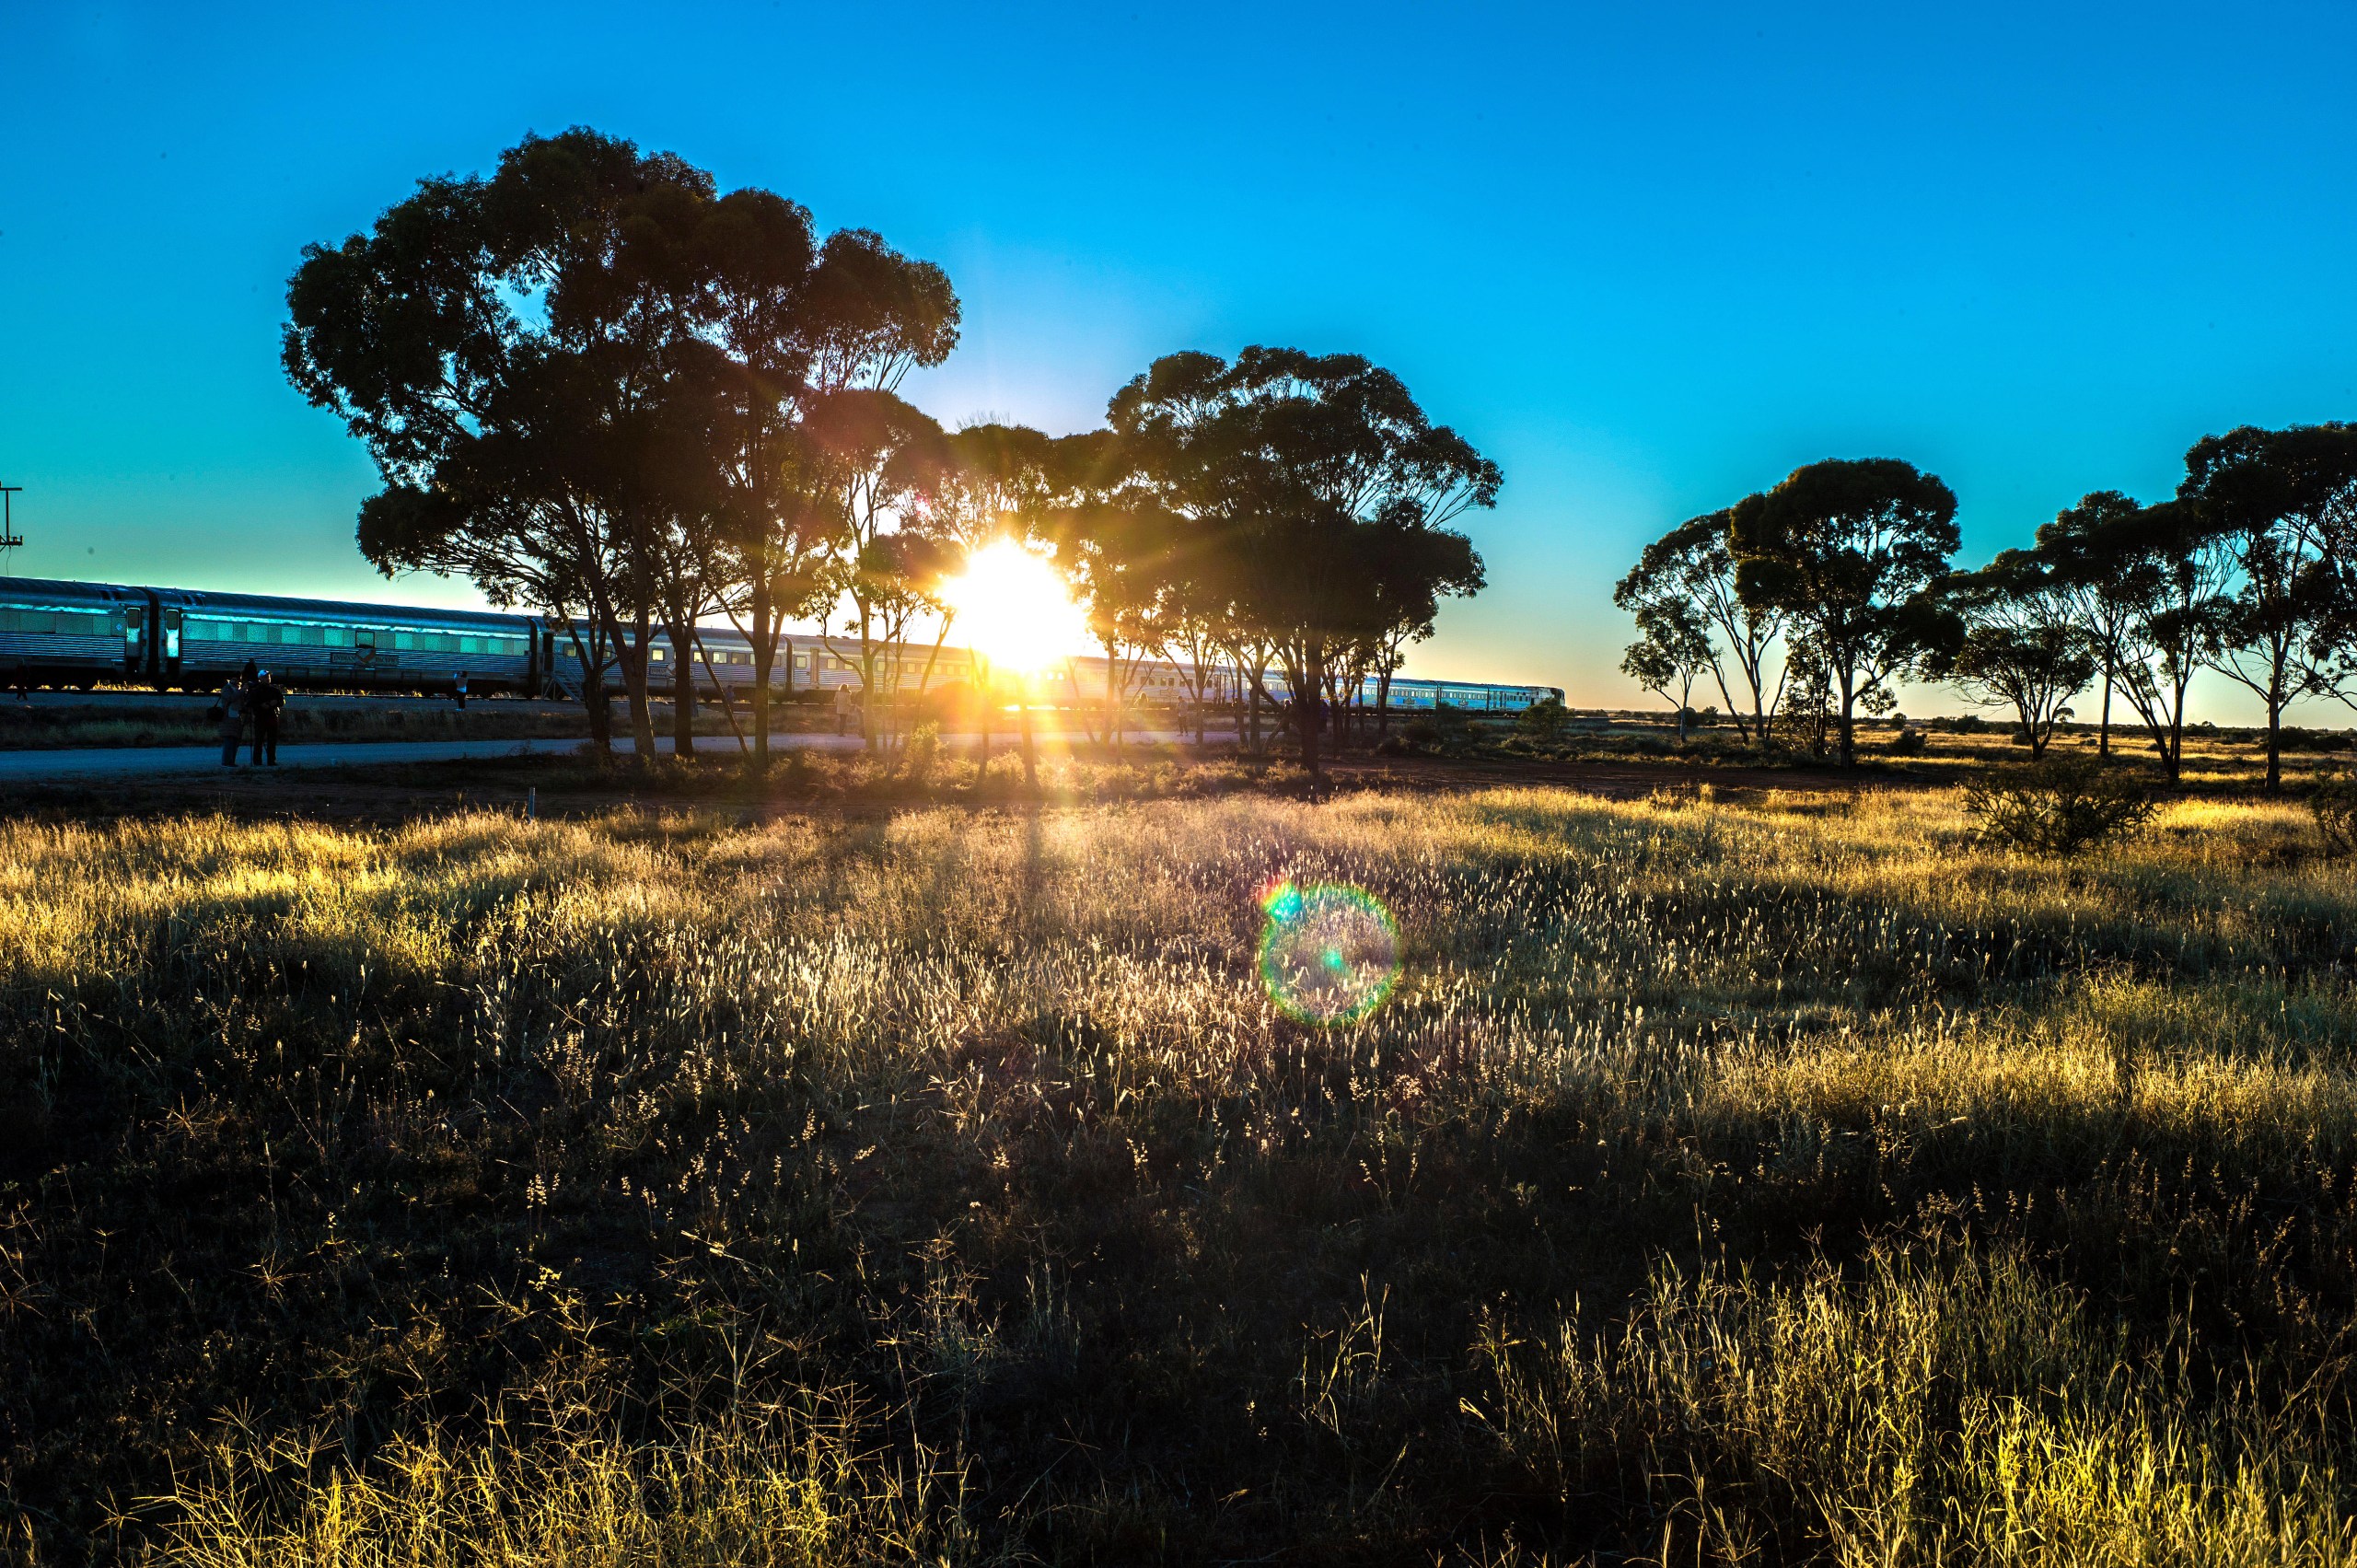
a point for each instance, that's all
(49, 590)
(208, 601)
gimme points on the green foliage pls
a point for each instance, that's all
(2063, 805)
(923, 755)
(1850, 552)
(1544, 722)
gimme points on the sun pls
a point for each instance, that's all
(1014, 608)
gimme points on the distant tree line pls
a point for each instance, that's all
(1807, 601)
(599, 387)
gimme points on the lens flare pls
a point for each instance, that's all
(1330, 953)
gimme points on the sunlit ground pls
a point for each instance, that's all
(1783, 1181)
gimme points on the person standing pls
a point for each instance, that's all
(462, 690)
(232, 719)
(266, 698)
(842, 709)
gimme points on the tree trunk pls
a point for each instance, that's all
(2274, 748)
(1113, 695)
(593, 701)
(2102, 731)
(764, 660)
(1849, 726)
(631, 656)
(1308, 692)
(683, 695)
(981, 711)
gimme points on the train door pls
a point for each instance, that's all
(167, 646)
(134, 640)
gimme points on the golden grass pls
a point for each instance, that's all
(1729, 1179)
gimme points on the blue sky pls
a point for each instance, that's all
(1648, 258)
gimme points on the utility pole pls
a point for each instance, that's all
(9, 539)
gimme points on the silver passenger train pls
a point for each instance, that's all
(81, 634)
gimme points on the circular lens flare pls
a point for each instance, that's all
(1330, 953)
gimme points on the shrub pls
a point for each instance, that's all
(1445, 732)
(2061, 805)
(924, 752)
(1543, 721)
(2333, 803)
(1909, 742)
(2295, 738)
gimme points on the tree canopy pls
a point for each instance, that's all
(1849, 549)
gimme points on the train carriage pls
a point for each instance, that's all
(55, 633)
(326, 643)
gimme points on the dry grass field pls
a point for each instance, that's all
(1762, 1179)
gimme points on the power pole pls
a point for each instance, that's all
(9, 539)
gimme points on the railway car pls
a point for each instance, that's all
(724, 660)
(324, 644)
(54, 633)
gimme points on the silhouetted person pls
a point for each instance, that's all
(231, 719)
(842, 709)
(265, 698)
(462, 690)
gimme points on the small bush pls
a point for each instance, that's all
(1443, 733)
(2295, 738)
(923, 753)
(1909, 742)
(2333, 803)
(2063, 805)
(1543, 721)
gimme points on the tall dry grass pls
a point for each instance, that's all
(1773, 1181)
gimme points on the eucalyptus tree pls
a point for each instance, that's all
(2146, 586)
(1849, 551)
(1413, 569)
(1672, 650)
(2279, 503)
(2106, 584)
(874, 314)
(871, 458)
(504, 348)
(1693, 564)
(1289, 462)
(2017, 642)
(798, 320)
